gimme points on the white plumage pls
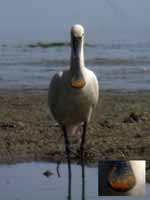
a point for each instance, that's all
(73, 94)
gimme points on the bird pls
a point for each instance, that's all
(73, 94)
(122, 178)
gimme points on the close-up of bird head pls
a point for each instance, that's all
(122, 178)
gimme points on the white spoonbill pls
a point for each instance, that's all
(73, 93)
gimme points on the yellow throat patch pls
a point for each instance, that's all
(121, 184)
(78, 84)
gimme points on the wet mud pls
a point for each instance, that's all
(119, 129)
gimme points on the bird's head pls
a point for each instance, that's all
(77, 39)
(77, 31)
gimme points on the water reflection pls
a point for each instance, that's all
(69, 197)
(26, 181)
(83, 182)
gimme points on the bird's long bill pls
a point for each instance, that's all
(77, 74)
(76, 45)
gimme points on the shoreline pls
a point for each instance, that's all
(119, 129)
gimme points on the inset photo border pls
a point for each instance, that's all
(121, 178)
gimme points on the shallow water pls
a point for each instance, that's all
(26, 181)
(117, 66)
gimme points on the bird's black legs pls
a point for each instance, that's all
(83, 183)
(68, 159)
(67, 144)
(82, 158)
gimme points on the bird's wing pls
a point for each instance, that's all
(54, 88)
(95, 86)
(56, 80)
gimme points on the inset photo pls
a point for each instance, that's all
(121, 178)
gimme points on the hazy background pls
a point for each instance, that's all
(119, 30)
(104, 20)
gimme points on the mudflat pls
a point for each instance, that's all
(119, 129)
